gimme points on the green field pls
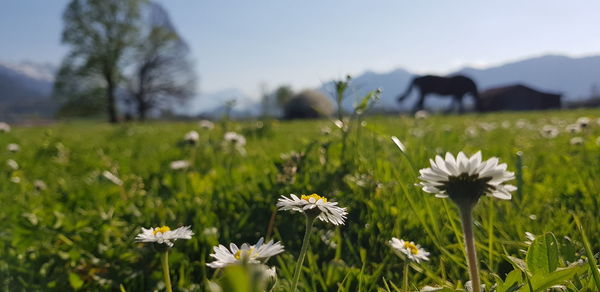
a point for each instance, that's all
(77, 231)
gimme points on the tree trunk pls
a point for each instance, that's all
(110, 94)
(142, 109)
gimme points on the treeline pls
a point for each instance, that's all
(126, 59)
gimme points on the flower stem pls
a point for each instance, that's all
(405, 278)
(466, 217)
(309, 223)
(164, 260)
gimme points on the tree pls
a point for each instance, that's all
(163, 71)
(100, 34)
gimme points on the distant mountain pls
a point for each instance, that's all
(213, 104)
(573, 77)
(25, 90)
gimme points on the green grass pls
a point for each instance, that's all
(79, 232)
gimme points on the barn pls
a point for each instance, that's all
(517, 98)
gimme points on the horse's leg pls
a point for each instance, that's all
(461, 108)
(420, 102)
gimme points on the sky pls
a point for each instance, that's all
(243, 44)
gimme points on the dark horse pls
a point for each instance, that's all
(456, 86)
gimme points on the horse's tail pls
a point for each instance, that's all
(408, 90)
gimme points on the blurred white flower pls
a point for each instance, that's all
(314, 205)
(409, 250)
(522, 123)
(422, 114)
(210, 231)
(15, 179)
(4, 127)
(431, 289)
(235, 139)
(465, 179)
(549, 131)
(12, 147)
(164, 234)
(325, 130)
(505, 124)
(192, 137)
(573, 128)
(399, 144)
(179, 164)
(576, 141)
(253, 254)
(206, 124)
(471, 131)
(112, 178)
(583, 122)
(12, 164)
(40, 185)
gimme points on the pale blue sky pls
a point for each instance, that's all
(241, 43)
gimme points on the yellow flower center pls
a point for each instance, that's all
(162, 229)
(247, 252)
(315, 196)
(410, 246)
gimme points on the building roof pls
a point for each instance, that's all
(511, 89)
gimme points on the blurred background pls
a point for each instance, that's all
(135, 59)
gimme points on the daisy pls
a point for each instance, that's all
(192, 137)
(253, 254)
(234, 139)
(164, 234)
(4, 127)
(12, 147)
(314, 206)
(465, 179)
(549, 131)
(576, 141)
(583, 122)
(12, 164)
(409, 250)
(206, 124)
(573, 128)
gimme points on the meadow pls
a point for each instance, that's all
(80, 192)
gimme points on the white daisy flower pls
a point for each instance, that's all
(408, 249)
(235, 139)
(164, 234)
(314, 205)
(253, 254)
(12, 164)
(399, 144)
(179, 164)
(573, 128)
(4, 127)
(583, 122)
(421, 115)
(40, 185)
(12, 147)
(206, 124)
(192, 137)
(465, 179)
(576, 141)
(549, 131)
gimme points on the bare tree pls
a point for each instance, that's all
(162, 72)
(100, 34)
